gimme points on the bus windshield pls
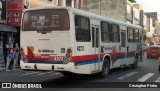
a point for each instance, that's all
(46, 20)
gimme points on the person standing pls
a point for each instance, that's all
(159, 64)
(16, 55)
(0, 9)
(10, 51)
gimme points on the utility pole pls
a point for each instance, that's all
(142, 41)
(100, 7)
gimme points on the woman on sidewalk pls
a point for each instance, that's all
(10, 51)
(16, 55)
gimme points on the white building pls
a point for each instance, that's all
(150, 28)
(136, 15)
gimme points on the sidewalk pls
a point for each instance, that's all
(10, 73)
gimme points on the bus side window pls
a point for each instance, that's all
(93, 38)
(82, 29)
(130, 35)
(136, 36)
(105, 33)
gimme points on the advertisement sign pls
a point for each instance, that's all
(2, 11)
(14, 12)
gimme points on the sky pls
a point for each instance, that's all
(150, 5)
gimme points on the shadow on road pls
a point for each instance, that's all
(84, 80)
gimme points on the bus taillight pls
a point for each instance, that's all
(69, 50)
(23, 56)
(68, 56)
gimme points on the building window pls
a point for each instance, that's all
(69, 3)
(129, 9)
(60, 3)
(82, 29)
(49, 1)
(78, 4)
(105, 32)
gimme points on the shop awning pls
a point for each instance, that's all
(6, 28)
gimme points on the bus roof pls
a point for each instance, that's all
(89, 14)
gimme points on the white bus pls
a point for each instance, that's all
(70, 40)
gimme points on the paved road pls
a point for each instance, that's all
(145, 72)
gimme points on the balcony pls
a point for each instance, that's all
(133, 1)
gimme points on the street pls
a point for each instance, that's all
(145, 72)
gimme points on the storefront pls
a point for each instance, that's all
(6, 37)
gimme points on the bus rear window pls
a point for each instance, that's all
(46, 20)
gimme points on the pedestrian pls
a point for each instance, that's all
(15, 55)
(159, 64)
(10, 51)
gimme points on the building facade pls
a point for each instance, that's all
(154, 16)
(117, 9)
(40, 3)
(138, 14)
(6, 32)
(152, 25)
(111, 8)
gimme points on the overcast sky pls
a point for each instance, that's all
(150, 5)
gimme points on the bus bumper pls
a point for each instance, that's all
(39, 66)
(70, 67)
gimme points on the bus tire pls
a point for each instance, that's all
(105, 69)
(135, 64)
(68, 74)
(148, 57)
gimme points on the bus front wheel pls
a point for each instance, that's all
(105, 69)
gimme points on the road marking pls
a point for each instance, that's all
(54, 74)
(29, 73)
(127, 75)
(146, 77)
(49, 72)
(39, 74)
(43, 73)
(158, 80)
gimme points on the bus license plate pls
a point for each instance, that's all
(59, 58)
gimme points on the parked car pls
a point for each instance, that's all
(153, 51)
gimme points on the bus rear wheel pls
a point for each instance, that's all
(105, 69)
(68, 74)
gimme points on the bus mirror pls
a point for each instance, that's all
(127, 48)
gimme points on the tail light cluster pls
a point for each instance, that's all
(68, 56)
(23, 56)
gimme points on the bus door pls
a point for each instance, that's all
(96, 47)
(123, 47)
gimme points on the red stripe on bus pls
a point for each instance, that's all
(95, 56)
